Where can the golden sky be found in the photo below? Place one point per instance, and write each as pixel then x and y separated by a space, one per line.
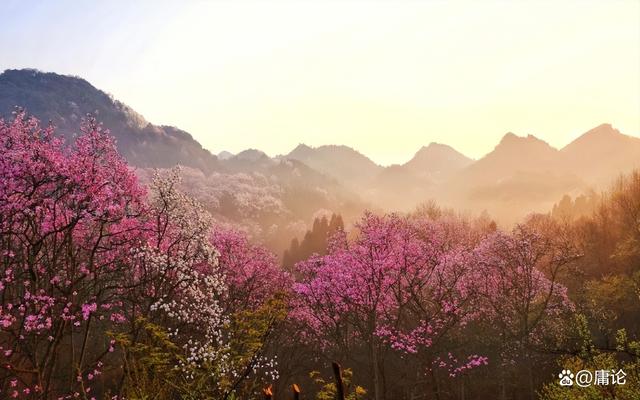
pixel 385 77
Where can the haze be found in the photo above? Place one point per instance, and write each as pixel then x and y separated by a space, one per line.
pixel 383 77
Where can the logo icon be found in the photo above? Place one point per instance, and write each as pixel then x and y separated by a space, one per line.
pixel 566 377
pixel 584 378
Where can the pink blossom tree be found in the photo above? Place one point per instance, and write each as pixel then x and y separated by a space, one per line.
pixel 251 272
pixel 217 296
pixel 523 301
pixel 103 286
pixel 68 216
pixel 400 285
pixel 256 300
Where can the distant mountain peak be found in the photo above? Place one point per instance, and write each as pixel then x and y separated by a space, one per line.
pixel 437 158
pixel 510 140
pixel 251 155
pixel 602 153
pixel 437 147
pixel 341 162
pixel 513 154
pixel 304 151
pixel 604 125
pixel 603 136
pixel 303 147
pixel 602 129
pixel 509 137
pixel 301 151
pixel 225 155
pixel 337 148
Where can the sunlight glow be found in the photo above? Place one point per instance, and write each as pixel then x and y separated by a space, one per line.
pixel 383 77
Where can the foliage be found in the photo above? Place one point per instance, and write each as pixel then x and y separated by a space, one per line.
pixel 149 363
pixel 315 241
pixel 625 357
pixel 407 284
pixel 328 387
pixel 68 217
pixel 106 291
pixel 109 289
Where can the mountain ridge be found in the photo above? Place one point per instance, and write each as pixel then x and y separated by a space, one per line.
pixel 520 172
pixel 342 162
pixel 65 100
pixel 437 158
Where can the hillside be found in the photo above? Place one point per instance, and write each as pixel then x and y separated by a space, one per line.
pixel 273 200
pixel 522 174
pixel 341 162
pixel 65 100
pixel 438 161
pixel 601 154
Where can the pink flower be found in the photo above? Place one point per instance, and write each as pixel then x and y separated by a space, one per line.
pixel 87 309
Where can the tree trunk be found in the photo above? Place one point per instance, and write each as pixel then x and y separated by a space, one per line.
pixel 434 384
pixel 337 373
pixel 532 394
pixel 503 384
pixel 377 381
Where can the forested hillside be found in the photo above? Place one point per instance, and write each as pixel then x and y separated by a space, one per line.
pixel 522 174
pixel 114 288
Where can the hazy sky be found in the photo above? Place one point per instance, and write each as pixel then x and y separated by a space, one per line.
pixel 383 77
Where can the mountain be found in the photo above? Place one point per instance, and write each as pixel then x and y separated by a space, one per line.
pixel 513 154
pixel 399 188
pixel 251 155
pixel 402 187
pixel 437 161
pixel 341 162
pixel 301 152
pixel 250 160
pixel 522 174
pixel 270 199
pixel 65 100
pixel 595 158
pixel 225 155
pixel 601 154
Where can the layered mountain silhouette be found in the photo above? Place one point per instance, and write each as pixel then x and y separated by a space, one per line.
pixel 65 100
pixel 437 161
pixel 512 154
pixel 342 162
pixel 601 153
pixel 248 161
pixel 522 174
pixel 224 155
pixel 400 186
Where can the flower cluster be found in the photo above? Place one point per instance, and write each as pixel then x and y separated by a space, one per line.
pixel 87 257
